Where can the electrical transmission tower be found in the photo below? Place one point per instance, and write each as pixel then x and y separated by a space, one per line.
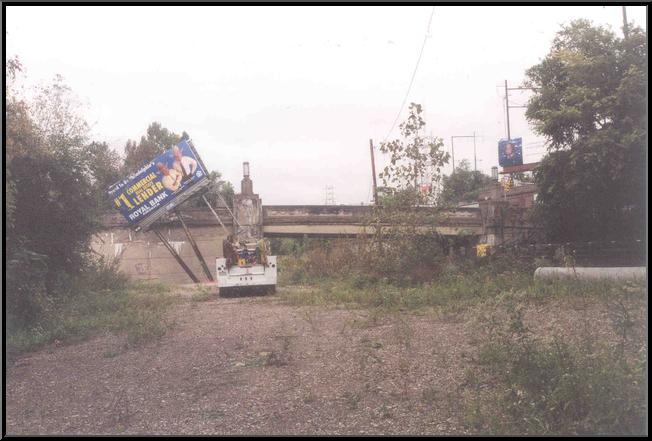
pixel 329 195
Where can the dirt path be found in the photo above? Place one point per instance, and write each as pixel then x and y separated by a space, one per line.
pixel 245 366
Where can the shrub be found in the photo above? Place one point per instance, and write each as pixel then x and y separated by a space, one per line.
pixel 560 387
pixel 25 274
pixel 98 299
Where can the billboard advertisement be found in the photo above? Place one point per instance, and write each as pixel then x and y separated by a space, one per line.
pixel 160 185
pixel 510 152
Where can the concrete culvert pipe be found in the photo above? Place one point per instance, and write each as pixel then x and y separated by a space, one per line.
pixel 620 273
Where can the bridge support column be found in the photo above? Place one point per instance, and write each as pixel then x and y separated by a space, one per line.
pixel 248 210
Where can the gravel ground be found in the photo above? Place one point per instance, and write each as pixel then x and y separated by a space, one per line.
pixel 256 366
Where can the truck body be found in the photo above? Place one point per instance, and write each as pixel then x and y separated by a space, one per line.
pixel 250 278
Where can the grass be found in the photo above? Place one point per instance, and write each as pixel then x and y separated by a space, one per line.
pixel 565 383
pixel 518 382
pixel 138 310
pixel 453 291
pixel 556 387
pixel 203 294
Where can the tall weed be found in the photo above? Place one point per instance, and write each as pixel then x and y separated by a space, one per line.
pixel 98 300
pixel 559 386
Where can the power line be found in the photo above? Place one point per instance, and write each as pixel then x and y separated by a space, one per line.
pixel 425 38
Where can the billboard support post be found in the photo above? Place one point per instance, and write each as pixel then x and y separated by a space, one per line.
pixel 235 221
pixel 176 255
pixel 194 246
pixel 215 214
pixel 160 187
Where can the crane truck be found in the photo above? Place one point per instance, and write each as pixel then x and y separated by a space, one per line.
pixel 246 266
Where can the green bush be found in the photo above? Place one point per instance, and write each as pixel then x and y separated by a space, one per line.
pixel 97 300
pixel 560 387
pixel 464 283
pixel 404 262
pixel 25 289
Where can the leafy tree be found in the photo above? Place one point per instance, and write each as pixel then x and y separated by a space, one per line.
pixel 105 166
pixel 390 196
pixel 406 245
pixel 462 186
pixel 591 105
pixel 216 188
pixel 54 209
pixel 157 140
pixel 57 115
pixel 19 133
pixel 414 156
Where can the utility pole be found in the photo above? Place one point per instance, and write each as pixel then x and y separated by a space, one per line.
pixel 507 106
pixel 507 109
pixel 475 161
pixel 625 27
pixel 453 152
pixel 373 170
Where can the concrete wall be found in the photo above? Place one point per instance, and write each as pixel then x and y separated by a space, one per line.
pixel 505 217
pixel 142 256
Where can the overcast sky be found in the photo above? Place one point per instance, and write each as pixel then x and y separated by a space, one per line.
pixel 296 91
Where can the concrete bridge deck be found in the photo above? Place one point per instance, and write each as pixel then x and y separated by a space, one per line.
pixel 317 220
pixel 352 220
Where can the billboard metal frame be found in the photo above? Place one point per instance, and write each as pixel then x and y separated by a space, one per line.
pixel 173 206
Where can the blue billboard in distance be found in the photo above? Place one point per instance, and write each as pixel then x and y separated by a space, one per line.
pixel 160 185
pixel 510 152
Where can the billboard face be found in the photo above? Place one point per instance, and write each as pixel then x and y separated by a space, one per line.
pixel 510 152
pixel 159 186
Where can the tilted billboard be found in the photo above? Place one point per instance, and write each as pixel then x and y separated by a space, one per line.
pixel 160 185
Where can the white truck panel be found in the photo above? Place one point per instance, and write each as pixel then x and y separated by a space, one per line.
pixel 246 276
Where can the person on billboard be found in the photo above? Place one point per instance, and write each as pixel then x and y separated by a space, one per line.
pixel 171 178
pixel 509 151
pixel 185 165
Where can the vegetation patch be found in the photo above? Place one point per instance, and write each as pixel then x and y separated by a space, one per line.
pixel 203 294
pixel 527 384
pixel 88 309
